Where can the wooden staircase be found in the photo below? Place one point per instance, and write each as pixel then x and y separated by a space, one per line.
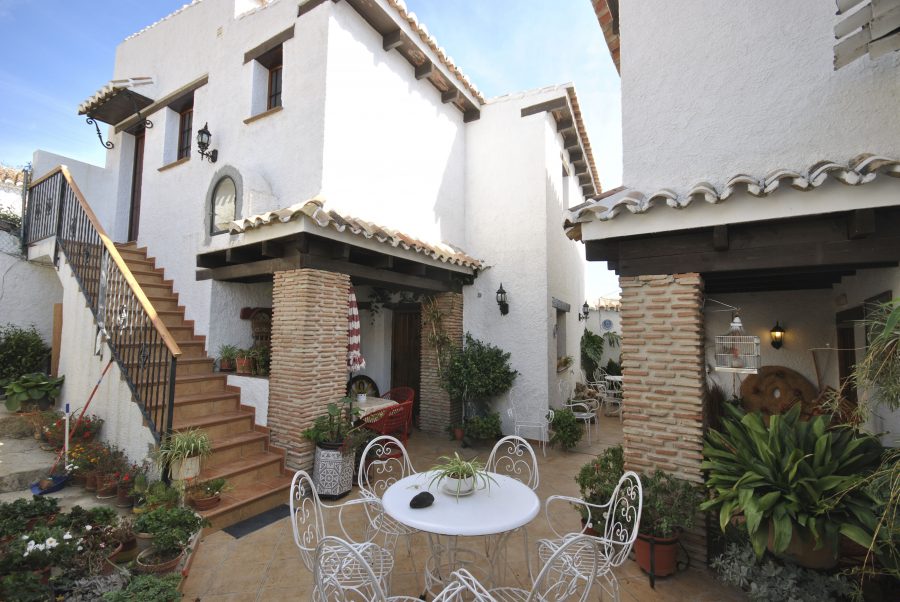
pixel 203 399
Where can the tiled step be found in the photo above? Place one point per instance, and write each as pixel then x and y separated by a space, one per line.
pixel 244 471
pixel 152 289
pixel 188 384
pixel 136 262
pixel 174 318
pixel 194 366
pixel 245 502
pixel 236 447
pixel 205 404
pixel 165 302
pixel 218 426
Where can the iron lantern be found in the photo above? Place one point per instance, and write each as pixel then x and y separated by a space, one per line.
pixel 777 334
pixel 203 139
pixel 585 312
pixel 501 300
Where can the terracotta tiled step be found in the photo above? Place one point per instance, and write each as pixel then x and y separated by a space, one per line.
pixel 136 262
pixel 164 302
pixel 188 384
pixel 205 404
pixel 152 289
pixel 246 470
pixel 235 447
pixel 189 349
pixel 174 317
pixel 188 366
pixel 145 278
pixel 245 502
pixel 217 426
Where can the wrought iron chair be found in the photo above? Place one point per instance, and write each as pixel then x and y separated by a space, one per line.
pixel 308 526
pixel 384 462
pixel 462 586
pixel 585 410
pixel 526 419
pixel 343 574
pixel 394 420
pixel 619 518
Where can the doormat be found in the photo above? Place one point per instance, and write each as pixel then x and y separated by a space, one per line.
pixel 254 523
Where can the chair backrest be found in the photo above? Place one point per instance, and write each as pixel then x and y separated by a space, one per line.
pixel 384 462
pixel 392 420
pixel 343 575
pixel 569 573
pixel 463 587
pixel 400 394
pixel 513 456
pixel 623 516
pixel 307 521
pixel 565 390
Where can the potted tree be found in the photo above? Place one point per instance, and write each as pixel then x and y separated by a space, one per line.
pixel 32 389
pixel 182 451
pixel 336 440
pixel 460 477
pixel 227 355
pixel 670 505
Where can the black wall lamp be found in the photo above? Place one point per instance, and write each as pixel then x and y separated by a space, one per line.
pixel 585 312
pixel 203 139
pixel 501 300
pixel 777 333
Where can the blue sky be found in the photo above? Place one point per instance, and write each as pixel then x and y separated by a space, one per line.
pixel 59 52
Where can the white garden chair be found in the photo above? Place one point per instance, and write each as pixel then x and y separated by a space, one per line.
pixel 343 574
pixel 384 462
pixel 619 519
pixel 528 419
pixel 463 587
pixel 308 526
pixel 585 410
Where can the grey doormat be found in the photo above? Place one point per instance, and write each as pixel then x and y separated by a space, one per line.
pixel 254 523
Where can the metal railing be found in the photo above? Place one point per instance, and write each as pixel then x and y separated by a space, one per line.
pixel 141 344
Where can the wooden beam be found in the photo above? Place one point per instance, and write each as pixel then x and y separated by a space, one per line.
pixel 471 115
pixel 376 275
pixel 393 39
pixel 547 105
pixel 565 124
pixel 580 167
pixel 246 270
pixel 244 254
pixel 163 102
pixel 571 143
pixel 450 95
pixel 424 70
pixel 576 155
pixel 270 248
pixel 308 6
pixel 585 180
pixel 273 42
pixel 720 238
pixel 860 223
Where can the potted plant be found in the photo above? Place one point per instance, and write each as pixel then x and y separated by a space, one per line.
pixel 110 462
pixel 475 373
pixel 172 529
pixel 125 483
pixel 227 355
pixel 244 362
pixel 456 431
pixel 81 432
pixel 670 506
pixel 35 389
pixel 260 355
pixel 564 363
pixel 567 430
pixel 792 481
pixel 207 495
pixel 597 481
pixel 182 452
pixel 483 428
pixel 336 440
pixel 123 532
pixel 460 477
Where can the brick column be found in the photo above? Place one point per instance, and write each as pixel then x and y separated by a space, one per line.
pixel 663 367
pixel 309 356
pixel 436 411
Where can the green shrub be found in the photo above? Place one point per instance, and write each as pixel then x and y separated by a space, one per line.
pixel 478 371
pixel 22 351
pixel 669 504
pixel 148 588
pixel 8 215
pixel 591 352
pixel 24 587
pixel 598 478
pixel 567 430
pixel 486 427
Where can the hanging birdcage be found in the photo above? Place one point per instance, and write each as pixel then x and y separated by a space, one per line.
pixel 736 351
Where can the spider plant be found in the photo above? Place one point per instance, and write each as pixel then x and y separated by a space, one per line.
pixel 461 470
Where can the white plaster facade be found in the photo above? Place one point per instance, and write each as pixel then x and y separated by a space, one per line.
pixel 358 128
pixel 28 290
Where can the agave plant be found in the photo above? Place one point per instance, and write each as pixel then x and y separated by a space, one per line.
pixel 791 475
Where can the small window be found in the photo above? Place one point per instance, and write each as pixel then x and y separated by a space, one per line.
pixel 560 333
pixel 185 131
pixel 272 62
pixel 223 205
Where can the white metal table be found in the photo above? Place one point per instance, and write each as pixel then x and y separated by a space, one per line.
pixel 489 511
pixel 372 405
pixel 616 392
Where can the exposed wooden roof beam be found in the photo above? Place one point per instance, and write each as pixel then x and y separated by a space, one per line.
pixel 450 95
pixel 424 70
pixel 392 40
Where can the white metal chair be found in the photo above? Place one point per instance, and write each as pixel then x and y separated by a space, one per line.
pixel 585 410
pixel 343 574
pixel 384 462
pixel 513 456
pixel 308 526
pixel 463 587
pixel 620 518
pixel 527 419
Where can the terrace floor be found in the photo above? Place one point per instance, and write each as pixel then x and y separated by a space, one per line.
pixel 265 565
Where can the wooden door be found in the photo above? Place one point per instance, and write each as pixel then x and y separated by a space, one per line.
pixel 405 359
pixel 136 181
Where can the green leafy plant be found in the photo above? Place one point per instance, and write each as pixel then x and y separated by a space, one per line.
pixel 670 504
pixel 171 528
pixel 210 488
pixel 483 428
pixel 148 588
pixel 22 351
pixel 786 474
pixel 24 587
pixel 567 430
pixel 84 431
pixel 78 518
pixel 260 355
pixel 613 368
pixel 228 352
pixel 880 367
pixel 160 494
pixel 336 427
pixel 564 363
pixel 34 387
pixel 437 337
pixel 456 468
pixel 478 371
pixel 9 215
pixel 598 478
pixel 184 444
pixel 591 351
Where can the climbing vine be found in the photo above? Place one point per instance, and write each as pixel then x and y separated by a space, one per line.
pixel 437 337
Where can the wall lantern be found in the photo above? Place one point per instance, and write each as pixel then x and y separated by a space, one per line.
pixel 585 312
pixel 777 335
pixel 203 138
pixel 501 300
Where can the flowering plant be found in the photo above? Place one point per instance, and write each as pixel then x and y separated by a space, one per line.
pixel 42 547
pixel 125 477
pixel 83 432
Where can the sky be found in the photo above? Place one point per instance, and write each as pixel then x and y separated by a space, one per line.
pixel 60 52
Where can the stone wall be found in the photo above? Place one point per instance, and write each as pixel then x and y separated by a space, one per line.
pixel 663 380
pixel 309 356
pixel 436 411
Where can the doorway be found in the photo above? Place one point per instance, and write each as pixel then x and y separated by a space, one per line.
pixel 136 182
pixel 405 357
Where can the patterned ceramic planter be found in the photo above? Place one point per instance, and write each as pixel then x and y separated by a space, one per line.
pixel 333 473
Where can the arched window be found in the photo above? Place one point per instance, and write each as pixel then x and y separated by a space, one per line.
pixel 223 206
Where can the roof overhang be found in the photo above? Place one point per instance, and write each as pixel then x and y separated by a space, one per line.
pixel 116 101
pixel 607 12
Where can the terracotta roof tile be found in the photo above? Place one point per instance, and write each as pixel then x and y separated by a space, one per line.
pixel 109 90
pixel 12 176
pixel 314 209
pixel 610 29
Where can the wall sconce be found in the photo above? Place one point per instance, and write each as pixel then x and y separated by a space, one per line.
pixel 501 300
pixel 203 138
pixel 585 312
pixel 777 335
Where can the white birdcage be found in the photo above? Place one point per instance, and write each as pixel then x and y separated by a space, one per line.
pixel 736 351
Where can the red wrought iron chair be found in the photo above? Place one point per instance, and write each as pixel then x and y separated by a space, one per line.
pixel 402 395
pixel 391 421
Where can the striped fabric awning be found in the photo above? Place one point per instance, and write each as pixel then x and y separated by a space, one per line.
pixel 355 360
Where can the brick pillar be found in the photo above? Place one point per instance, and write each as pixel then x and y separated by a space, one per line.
pixel 309 356
pixel 436 411
pixel 663 366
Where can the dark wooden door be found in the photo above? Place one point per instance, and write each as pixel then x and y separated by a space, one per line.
pixel 136 181
pixel 405 350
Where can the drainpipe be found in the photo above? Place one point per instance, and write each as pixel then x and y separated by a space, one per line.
pixel 26 181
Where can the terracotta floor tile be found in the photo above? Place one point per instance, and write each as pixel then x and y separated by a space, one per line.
pixel 241 579
pixel 285 572
pixel 298 593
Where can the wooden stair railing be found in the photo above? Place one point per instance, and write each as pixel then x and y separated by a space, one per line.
pixel 143 347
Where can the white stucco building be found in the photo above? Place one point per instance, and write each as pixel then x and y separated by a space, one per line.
pixel 349 150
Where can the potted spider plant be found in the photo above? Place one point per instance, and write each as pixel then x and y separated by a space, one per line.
pixel 460 477
pixel 182 452
pixel 227 355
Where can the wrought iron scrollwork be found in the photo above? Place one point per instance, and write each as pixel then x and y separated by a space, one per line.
pixel 147 122
pixel 108 145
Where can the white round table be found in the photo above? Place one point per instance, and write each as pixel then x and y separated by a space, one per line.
pixel 504 506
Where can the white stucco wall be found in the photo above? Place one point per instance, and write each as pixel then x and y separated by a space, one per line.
pixel 123 421
pixel 11 197
pixel 375 333
pixel 595 324
pixel 227 299
pixel 711 89
pixel 28 290
pixel 254 393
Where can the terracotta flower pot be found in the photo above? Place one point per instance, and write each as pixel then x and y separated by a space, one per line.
pixel 226 365
pixel 144 541
pixel 145 565
pixel 128 552
pixel 124 499
pixel 205 503
pixel 106 487
pixel 802 551
pixel 244 365
pixel 664 554
pixel 110 566
pixel 90 481
pixel 458 434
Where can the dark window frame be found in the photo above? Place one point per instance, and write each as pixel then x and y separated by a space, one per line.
pixel 185 131
pixel 273 97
